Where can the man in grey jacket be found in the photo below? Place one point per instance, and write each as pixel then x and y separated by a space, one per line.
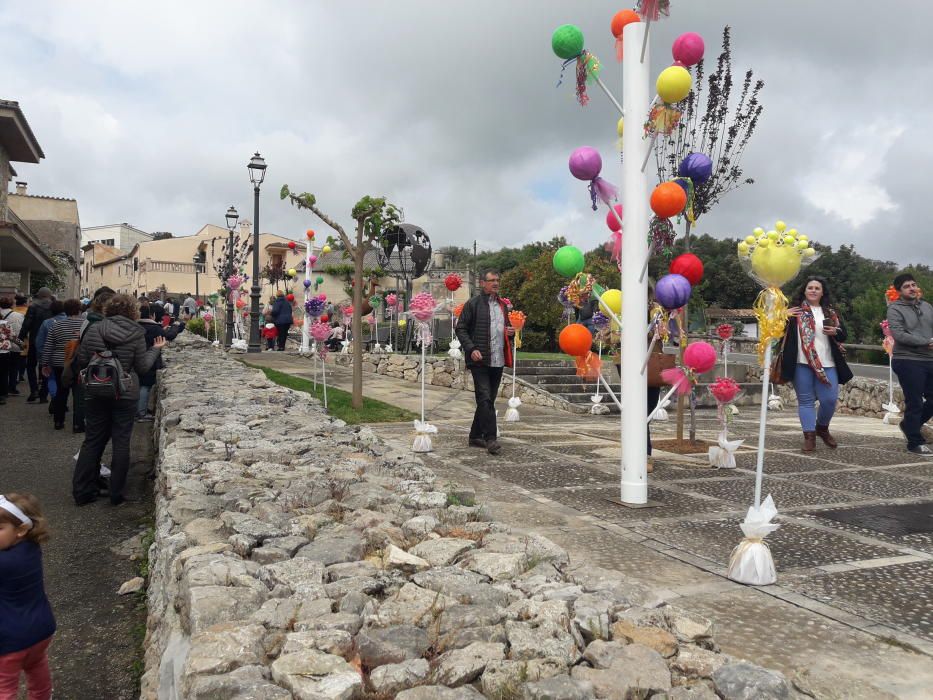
pixel 911 322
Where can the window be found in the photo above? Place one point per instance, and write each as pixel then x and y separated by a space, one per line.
pixel 135 264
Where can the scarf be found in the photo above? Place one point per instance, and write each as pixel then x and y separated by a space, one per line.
pixel 806 335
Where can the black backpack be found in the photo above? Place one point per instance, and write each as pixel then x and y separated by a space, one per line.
pixel 104 377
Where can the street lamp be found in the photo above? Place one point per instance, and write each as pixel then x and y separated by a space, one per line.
pixel 197 290
pixel 232 218
pixel 257 173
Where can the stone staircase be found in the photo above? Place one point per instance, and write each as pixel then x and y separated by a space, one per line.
pixel 559 377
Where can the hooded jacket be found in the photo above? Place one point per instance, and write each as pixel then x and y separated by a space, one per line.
pixel 911 324
pixel 38 311
pixel 282 312
pixel 153 330
pixel 127 340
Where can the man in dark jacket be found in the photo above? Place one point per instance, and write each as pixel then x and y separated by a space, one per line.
pixel 153 330
pixel 282 318
pixel 484 332
pixel 39 310
pixel 911 322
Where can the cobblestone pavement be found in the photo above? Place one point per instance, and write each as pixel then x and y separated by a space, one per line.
pixel 853 593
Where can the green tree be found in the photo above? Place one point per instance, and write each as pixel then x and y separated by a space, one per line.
pixel 372 215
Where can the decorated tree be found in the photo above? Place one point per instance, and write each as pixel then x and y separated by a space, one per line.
pixel 372 215
pixel 228 261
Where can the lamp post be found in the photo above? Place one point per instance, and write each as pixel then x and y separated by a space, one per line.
pixel 197 291
pixel 257 173
pixel 232 218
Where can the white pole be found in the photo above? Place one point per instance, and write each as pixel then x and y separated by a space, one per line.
pixel 890 382
pixel 599 81
pixel 423 343
pixel 324 379
pixel 636 98
pixel 725 357
pixel 763 422
pixel 305 333
pixel 609 391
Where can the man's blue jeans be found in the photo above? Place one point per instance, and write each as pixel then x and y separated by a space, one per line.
pixel 809 390
pixel 916 380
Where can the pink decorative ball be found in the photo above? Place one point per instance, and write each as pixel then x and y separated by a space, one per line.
pixel 700 357
pixel 688 48
pixel 612 222
pixel 585 163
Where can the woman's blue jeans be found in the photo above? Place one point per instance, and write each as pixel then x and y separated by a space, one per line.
pixel 809 390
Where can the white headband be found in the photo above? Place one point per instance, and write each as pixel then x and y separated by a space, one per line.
pixel 13 510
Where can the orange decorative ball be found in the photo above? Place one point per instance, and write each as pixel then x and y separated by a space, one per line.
pixel 621 19
pixel 575 340
pixel 668 199
pixel 310 234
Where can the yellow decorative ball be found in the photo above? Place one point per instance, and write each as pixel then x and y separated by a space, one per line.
pixel 803 245
pixel 802 237
pixel 402 322
pixel 620 127
pixel 743 248
pixel 772 235
pixel 792 232
pixel 292 272
pixel 789 240
pixel 809 252
pixel 674 84
pixel 759 231
pixel 325 249
pixel 611 299
pixel 776 265
pixel 750 240
pixel 763 243
pixel 779 226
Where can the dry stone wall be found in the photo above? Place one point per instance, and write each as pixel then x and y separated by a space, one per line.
pixel 296 557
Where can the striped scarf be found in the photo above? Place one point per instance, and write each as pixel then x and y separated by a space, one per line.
pixel 806 333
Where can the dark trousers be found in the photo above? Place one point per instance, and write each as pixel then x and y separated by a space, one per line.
pixel 37 384
pixel 105 419
pixel 282 328
pixel 60 402
pixel 7 359
pixel 916 380
pixel 654 395
pixel 9 375
pixel 486 387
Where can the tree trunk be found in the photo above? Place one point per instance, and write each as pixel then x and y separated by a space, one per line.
pixel 359 253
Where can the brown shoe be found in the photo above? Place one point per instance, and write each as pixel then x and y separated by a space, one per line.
pixel 823 432
pixel 809 440
pixel 650 465
pixel 478 442
pixel 493 447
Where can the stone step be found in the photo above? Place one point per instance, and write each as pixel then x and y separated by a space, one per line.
pixel 523 371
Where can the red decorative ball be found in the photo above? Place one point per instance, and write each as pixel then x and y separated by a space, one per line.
pixel 575 340
pixel 325 318
pixel 611 221
pixel 289 297
pixel 453 282
pixel 291 245
pixel 688 265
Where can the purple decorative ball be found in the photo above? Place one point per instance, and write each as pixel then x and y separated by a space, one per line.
pixel 697 166
pixel 585 163
pixel 673 291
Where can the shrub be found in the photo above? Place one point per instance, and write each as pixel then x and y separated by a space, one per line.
pixel 536 341
pixel 197 326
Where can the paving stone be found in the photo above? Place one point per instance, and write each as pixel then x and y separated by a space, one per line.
pixel 558 688
pixel 391 679
pixel 330 641
pixel 596 502
pixel 314 675
pixel 900 594
pixel 335 549
pixel 785 493
pixel 391 645
pixel 874 484
pixel 442 551
pixel 792 545
pixel 788 463
pixel 461 666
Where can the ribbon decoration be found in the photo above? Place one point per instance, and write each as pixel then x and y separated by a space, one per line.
pixel 588 366
pixel 722 456
pixel 579 289
pixel 691 198
pixel 660 412
pixel 601 190
pixel 771 311
pixel 751 561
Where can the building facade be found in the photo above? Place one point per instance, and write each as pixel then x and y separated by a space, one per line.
pixel 122 236
pixel 22 254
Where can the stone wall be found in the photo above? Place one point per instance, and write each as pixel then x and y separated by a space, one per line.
pixel 444 371
pixel 860 396
pixel 298 558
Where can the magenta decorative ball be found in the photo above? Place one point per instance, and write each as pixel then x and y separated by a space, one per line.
pixel 673 291
pixel 585 163
pixel 688 48
pixel 700 357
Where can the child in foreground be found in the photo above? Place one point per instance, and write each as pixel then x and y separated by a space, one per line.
pixel 26 620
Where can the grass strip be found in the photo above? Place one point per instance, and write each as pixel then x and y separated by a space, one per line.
pixel 339 402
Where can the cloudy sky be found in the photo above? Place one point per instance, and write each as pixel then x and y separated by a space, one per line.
pixel 149 113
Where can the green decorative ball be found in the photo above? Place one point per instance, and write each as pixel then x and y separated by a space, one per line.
pixel 568 261
pixel 567 41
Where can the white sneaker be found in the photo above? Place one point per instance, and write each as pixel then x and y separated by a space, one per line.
pixel 922 450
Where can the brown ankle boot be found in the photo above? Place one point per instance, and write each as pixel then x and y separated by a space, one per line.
pixel 823 432
pixel 809 440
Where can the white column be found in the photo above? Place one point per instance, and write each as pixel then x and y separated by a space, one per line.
pixel 305 337
pixel 636 98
